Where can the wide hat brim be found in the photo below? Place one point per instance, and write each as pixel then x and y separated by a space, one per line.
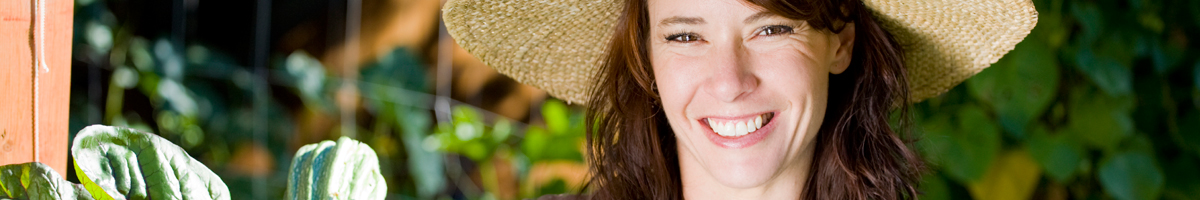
pixel 558 45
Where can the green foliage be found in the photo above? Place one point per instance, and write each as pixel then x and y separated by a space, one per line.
pixel 1019 103
pixel 347 169
pixel 122 163
pixel 969 143
pixel 36 181
pixel 559 140
pixel 1100 101
pixel 1129 176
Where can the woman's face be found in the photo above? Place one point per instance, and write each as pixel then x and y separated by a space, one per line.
pixel 744 89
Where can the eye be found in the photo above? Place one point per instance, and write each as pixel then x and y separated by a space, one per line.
pixel 774 30
pixel 683 37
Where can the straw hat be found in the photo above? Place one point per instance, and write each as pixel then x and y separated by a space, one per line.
pixel 557 45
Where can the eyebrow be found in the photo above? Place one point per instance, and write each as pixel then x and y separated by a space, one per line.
pixel 697 21
pixel 681 20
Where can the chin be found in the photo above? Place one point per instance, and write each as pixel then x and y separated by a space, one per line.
pixel 745 173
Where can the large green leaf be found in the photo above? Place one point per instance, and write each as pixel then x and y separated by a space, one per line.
pixel 122 163
pixel 1131 176
pixel 347 169
pixel 963 146
pixel 1098 120
pixel 1058 156
pixel 1020 86
pixel 36 181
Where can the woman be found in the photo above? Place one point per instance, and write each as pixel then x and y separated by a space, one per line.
pixel 743 99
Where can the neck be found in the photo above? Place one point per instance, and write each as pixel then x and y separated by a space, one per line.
pixel 787 184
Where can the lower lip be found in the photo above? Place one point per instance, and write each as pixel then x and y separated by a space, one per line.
pixel 741 141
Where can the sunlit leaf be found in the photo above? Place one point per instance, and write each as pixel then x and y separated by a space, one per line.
pixel 36 181
pixel 535 142
pixel 122 163
pixel 1013 176
pixel 346 169
pixel 555 114
pixel 309 79
pixel 1131 176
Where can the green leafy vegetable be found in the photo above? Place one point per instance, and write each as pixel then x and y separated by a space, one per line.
pixel 347 169
pixel 36 181
pixel 122 163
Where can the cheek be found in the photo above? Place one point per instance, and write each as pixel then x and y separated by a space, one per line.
pixel 791 69
pixel 677 80
pixel 675 76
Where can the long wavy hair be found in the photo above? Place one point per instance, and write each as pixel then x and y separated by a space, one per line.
pixel 859 155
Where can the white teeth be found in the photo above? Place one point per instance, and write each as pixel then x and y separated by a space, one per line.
pixel 750 127
pixel 728 128
pixel 739 128
pixel 732 129
pixel 758 122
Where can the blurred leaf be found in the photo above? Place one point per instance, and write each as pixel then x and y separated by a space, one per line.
pixel 120 163
pixel 99 36
pixel 125 77
pixel 1165 56
pixel 554 112
pixel 424 164
pixel 936 138
pixel 557 186
pixel 1058 156
pixel 309 79
pixel 399 68
pixel 1090 18
pixel 36 181
pixel 1112 76
pixel 468 124
pixel 178 97
pixel 966 150
pixel 347 169
pixel 1014 176
pixel 933 187
pixel 1098 120
pixel 535 142
pixel 1020 86
pixel 1131 176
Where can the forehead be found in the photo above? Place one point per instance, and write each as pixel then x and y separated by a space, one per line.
pixel 708 10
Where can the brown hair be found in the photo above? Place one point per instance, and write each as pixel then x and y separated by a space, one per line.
pixel 631 148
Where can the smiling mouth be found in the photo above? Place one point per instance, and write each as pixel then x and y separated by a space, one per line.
pixel 739 127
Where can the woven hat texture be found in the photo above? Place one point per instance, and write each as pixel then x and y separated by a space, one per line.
pixel 558 45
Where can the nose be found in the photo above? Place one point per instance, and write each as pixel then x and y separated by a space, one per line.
pixel 730 77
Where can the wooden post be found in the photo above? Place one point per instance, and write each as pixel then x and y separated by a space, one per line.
pixel 34 98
